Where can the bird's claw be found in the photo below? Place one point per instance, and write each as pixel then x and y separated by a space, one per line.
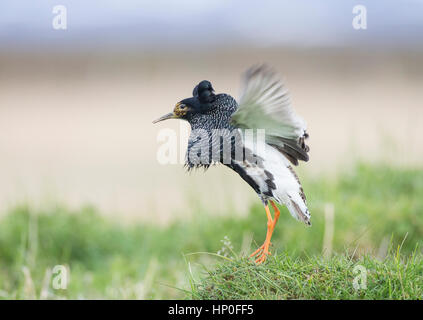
pixel 261 253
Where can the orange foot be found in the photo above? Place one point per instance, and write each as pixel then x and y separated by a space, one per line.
pixel 263 252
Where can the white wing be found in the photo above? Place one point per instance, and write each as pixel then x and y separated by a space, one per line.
pixel 265 104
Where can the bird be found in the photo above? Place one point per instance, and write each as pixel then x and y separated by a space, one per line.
pixel 219 125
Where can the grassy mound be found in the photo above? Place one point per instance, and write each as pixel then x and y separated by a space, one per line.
pixel 340 277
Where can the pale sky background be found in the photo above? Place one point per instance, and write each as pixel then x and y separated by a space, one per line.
pixel 76 106
pixel 191 24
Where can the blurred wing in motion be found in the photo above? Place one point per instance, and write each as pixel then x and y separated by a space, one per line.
pixel 265 104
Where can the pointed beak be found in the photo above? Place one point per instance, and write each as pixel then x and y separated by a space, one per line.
pixel 170 115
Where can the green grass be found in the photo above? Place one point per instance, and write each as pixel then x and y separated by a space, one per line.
pixel 376 207
pixel 340 277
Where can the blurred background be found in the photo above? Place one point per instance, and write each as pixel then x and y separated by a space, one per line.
pixel 76 105
pixel 77 141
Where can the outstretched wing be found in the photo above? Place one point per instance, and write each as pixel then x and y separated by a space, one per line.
pixel 265 104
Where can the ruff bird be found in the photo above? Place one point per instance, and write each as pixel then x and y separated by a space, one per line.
pixel 219 126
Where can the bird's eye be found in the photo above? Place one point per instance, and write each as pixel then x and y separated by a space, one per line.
pixel 182 106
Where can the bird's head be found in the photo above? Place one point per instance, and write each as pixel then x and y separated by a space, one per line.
pixel 201 102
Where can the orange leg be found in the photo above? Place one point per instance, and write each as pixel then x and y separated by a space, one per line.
pixel 277 212
pixel 262 252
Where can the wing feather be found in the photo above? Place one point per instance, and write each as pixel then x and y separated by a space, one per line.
pixel 265 104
